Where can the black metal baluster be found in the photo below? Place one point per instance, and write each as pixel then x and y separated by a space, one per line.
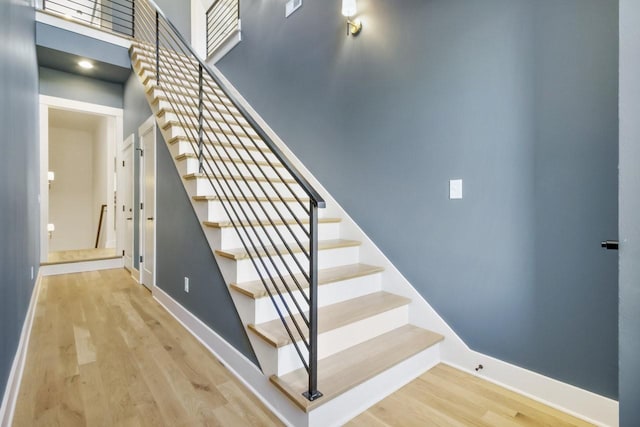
pixel 313 393
pixel 200 119
pixel 157 49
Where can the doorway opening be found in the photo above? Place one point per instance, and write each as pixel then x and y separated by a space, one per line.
pixel 78 150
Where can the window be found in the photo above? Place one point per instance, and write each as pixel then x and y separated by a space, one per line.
pixel 223 20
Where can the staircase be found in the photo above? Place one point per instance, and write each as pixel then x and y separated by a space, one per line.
pixel 364 339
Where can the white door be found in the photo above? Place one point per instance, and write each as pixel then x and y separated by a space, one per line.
pixel 148 199
pixel 125 208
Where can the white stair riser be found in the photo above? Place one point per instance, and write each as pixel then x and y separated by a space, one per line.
pixel 339 339
pixel 172 72
pixel 330 293
pixel 224 109
pixel 176 130
pixel 245 272
pixel 185 93
pixel 214 211
pixel 203 187
pixel 165 57
pixel 216 113
pixel 230 238
pixel 190 118
pixel 185 147
pixel 338 411
pixel 192 165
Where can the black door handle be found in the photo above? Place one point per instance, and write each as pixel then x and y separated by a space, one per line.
pixel 611 245
pixel 150 219
pixel 129 219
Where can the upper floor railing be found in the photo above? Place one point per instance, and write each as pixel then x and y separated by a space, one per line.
pixel 112 15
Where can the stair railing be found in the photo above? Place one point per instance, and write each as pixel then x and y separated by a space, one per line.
pixel 111 15
pixel 255 183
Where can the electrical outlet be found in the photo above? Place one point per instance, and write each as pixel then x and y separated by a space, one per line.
pixel 186 284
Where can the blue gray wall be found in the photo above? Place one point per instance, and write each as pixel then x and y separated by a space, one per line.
pixel 179 13
pixel 19 171
pixel 183 251
pixel 79 88
pixel 629 213
pixel 518 98
pixel 575 197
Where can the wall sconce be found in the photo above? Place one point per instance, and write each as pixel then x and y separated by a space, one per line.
pixel 349 9
pixel 51 228
pixel 51 177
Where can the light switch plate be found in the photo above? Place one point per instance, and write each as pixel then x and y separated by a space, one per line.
pixel 186 284
pixel 455 189
pixel 291 6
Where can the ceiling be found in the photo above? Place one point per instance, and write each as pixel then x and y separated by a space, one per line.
pixel 64 61
pixel 73 120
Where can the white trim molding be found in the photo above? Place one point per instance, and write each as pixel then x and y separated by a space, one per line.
pixel 225 47
pixel 580 403
pixel 12 389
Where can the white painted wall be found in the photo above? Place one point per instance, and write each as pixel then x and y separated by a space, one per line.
pixel 71 194
pixel 199 26
pixel 100 190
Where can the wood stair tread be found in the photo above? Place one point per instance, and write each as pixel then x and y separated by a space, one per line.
pixel 192 176
pixel 229 159
pixel 331 317
pixel 224 102
pixel 207 126
pixel 178 138
pixel 267 223
pixel 235 116
pixel 347 369
pixel 252 199
pixel 255 289
pixel 240 253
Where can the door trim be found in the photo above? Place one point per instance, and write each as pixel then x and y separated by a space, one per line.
pixel 129 141
pixel 149 124
pixel 46 102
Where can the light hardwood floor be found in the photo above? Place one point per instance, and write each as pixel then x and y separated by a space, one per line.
pixel 104 353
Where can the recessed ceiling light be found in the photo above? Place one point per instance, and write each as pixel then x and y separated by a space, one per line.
pixel 85 64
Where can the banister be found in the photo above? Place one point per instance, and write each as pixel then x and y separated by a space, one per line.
pixel 224 126
pixel 315 197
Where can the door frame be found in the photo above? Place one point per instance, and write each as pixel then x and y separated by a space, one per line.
pixel 123 245
pixel 115 116
pixel 149 124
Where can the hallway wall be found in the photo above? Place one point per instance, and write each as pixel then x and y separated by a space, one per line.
pixel 19 170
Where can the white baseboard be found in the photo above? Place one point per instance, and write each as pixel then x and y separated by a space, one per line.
pixel 237 363
pixel 81 267
pixel 580 403
pixel 135 274
pixel 17 368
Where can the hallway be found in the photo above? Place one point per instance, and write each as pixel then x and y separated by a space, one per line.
pixel 104 353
